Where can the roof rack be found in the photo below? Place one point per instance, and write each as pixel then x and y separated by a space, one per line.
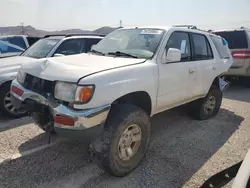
pixel 87 34
pixel 54 35
pixel 188 26
pixel 76 34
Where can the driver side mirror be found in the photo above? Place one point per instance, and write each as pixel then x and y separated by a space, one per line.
pixel 173 55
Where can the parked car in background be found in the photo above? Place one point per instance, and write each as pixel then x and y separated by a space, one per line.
pixel 49 46
pixel 11 45
pixel 239 44
pixel 109 95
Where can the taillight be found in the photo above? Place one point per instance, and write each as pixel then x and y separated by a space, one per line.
pixel 241 54
pixel 17 90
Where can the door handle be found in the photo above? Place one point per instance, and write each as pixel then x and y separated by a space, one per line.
pixel 214 68
pixel 191 71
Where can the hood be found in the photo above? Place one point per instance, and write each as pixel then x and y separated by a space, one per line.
pixel 10 54
pixel 72 68
pixel 12 64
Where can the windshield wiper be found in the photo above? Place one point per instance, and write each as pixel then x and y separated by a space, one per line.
pixel 97 52
pixel 119 53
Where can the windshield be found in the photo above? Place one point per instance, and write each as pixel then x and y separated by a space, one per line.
pixel 41 48
pixel 141 43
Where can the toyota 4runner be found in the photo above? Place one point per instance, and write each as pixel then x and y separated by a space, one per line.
pixel 109 94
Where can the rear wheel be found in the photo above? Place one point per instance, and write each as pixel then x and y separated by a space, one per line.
pixel 124 141
pixel 208 106
pixel 6 106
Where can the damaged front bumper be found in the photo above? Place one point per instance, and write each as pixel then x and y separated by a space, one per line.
pixel 67 121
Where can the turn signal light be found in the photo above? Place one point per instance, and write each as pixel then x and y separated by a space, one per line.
pixel 85 94
pixel 64 120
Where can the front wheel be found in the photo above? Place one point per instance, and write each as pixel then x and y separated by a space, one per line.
pixel 44 121
pixel 124 141
pixel 6 106
pixel 208 106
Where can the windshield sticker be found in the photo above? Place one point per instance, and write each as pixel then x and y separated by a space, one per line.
pixel 183 46
pixel 51 43
pixel 151 32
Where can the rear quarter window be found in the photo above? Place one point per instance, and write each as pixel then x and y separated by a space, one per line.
pixel 220 47
pixel 235 39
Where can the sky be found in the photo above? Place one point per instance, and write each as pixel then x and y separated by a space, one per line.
pixel 92 14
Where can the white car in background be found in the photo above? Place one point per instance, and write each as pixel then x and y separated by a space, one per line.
pixel 49 46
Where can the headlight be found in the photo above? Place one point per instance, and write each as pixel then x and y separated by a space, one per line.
pixel 73 93
pixel 21 77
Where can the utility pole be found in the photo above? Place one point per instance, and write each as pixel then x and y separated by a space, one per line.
pixel 120 24
pixel 22 28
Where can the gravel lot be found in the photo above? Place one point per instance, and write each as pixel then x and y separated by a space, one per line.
pixel 183 152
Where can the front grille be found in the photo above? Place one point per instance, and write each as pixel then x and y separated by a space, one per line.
pixel 38 85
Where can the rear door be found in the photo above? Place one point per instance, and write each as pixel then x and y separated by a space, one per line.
pixel 239 46
pixel 205 63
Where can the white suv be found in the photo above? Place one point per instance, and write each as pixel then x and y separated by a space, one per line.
pixel 110 94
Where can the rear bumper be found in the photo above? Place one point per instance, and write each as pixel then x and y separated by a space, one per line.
pixel 241 71
pixel 83 120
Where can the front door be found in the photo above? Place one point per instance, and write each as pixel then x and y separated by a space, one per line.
pixel 176 80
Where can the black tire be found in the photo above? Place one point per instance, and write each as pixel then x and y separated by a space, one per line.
pixel 198 110
pixel 4 91
pixel 44 121
pixel 105 150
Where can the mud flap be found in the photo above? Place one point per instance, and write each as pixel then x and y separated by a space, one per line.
pixel 223 84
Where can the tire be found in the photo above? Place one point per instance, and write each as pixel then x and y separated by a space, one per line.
pixel 44 121
pixel 199 109
pixel 106 150
pixel 6 107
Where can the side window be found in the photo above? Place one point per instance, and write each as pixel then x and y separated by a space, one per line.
pixel 16 41
pixel 70 47
pixel 220 47
pixel 202 47
pixel 89 43
pixel 180 40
